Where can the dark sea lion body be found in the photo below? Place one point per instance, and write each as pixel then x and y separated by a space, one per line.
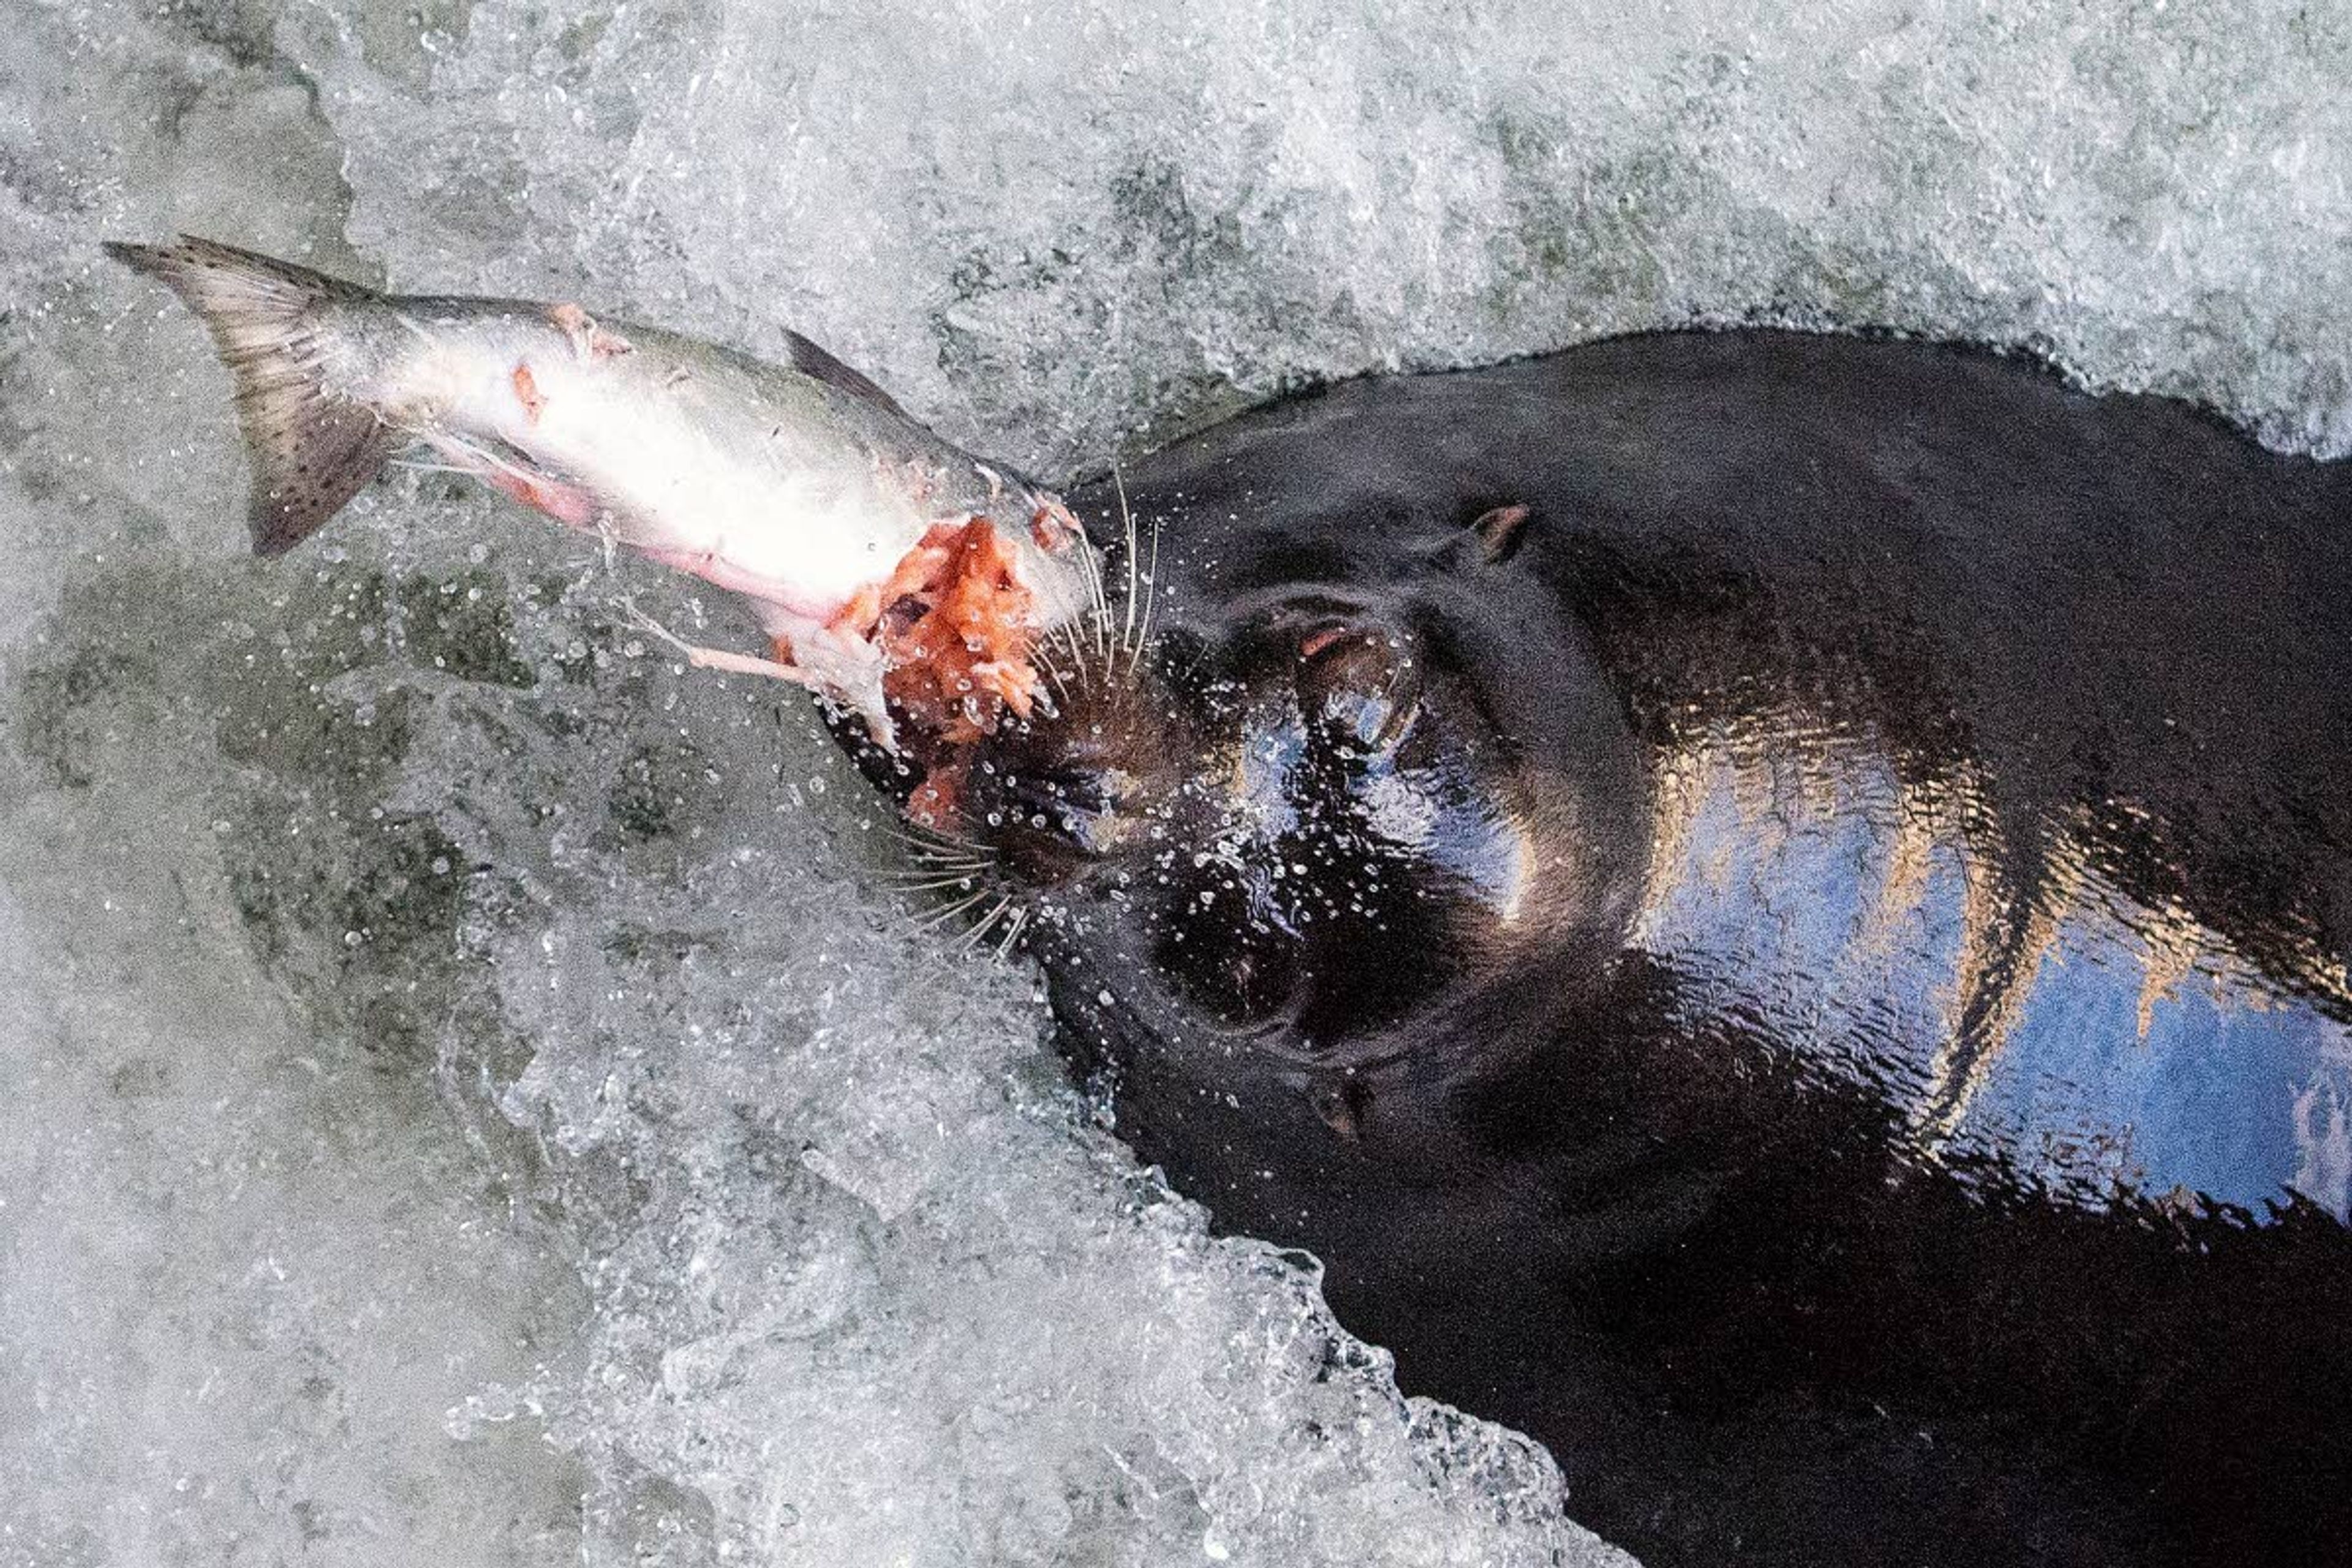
pixel 1775 909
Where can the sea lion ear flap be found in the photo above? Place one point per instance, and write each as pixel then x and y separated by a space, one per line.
pixel 1500 530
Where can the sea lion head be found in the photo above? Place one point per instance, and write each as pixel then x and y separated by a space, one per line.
pixel 1313 808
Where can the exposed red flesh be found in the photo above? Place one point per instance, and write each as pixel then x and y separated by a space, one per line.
pixel 1053 528
pixel 589 342
pixel 938 801
pixel 1316 642
pixel 527 393
pixel 954 626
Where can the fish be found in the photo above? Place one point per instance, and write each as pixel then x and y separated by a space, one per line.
pixel 903 580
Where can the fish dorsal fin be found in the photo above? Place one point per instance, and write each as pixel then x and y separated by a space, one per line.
pixel 813 361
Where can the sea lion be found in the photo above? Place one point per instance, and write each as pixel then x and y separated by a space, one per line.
pixel 1774 908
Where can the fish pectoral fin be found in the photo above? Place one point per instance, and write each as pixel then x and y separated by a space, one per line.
pixel 839 665
pixel 844 670
pixel 702 657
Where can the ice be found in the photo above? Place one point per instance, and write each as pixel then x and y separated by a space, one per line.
pixel 471 1099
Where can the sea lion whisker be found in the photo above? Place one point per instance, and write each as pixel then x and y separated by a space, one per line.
pixel 920 881
pixel 946 875
pixel 1111 639
pixel 1126 523
pixel 1100 613
pixel 926 890
pixel 1150 593
pixel 1012 933
pixel 1066 638
pixel 1050 665
pixel 942 848
pixel 971 939
pixel 934 863
pixel 942 917
pixel 1075 667
pixel 915 833
pixel 942 879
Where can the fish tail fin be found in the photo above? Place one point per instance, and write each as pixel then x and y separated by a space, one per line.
pixel 311 449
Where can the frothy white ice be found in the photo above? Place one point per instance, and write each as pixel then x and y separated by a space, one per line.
pixel 468 1102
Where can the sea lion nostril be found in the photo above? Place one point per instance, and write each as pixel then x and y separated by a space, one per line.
pixel 1076 808
pixel 1077 793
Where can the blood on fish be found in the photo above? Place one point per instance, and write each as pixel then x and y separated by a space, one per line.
pixel 589 340
pixel 526 392
pixel 567 504
pixel 952 622
pixel 1053 528
pixel 938 801
pixel 860 615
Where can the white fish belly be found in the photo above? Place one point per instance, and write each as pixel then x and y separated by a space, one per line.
pixel 701 488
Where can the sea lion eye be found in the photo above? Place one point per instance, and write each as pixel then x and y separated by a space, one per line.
pixel 1359 688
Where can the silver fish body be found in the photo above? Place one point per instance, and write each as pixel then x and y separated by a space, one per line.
pixel 801 487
